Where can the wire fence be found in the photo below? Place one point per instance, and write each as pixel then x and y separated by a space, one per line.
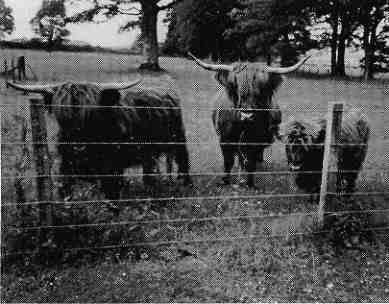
pixel 384 109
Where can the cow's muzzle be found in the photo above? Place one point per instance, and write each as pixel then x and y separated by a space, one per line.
pixel 294 168
pixel 246 115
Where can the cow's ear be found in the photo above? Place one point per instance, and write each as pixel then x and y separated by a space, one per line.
pixel 110 97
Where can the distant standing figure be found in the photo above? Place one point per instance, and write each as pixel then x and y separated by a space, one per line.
pixel 21 67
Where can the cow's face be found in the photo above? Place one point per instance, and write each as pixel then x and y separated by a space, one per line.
pixel 296 149
pixel 250 85
pixel 297 145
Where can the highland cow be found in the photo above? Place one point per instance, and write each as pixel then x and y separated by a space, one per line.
pixel 161 128
pixel 304 146
pixel 101 134
pixel 246 117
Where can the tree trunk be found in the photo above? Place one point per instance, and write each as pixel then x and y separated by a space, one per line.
pixel 149 35
pixel 340 65
pixel 369 41
pixel 334 38
pixel 367 49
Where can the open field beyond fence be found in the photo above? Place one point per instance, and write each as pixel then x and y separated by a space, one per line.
pixel 244 244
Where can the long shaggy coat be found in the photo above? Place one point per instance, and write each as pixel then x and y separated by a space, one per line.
pixel 307 154
pixel 104 132
pixel 248 90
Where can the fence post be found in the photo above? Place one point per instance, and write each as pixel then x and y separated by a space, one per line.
pixel 333 130
pixel 42 161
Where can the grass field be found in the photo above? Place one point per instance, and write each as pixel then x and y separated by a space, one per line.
pixel 267 268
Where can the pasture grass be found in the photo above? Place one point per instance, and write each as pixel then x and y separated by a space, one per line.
pixel 274 265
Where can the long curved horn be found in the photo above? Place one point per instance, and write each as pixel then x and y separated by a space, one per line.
pixel 286 70
pixel 118 85
pixel 34 88
pixel 212 67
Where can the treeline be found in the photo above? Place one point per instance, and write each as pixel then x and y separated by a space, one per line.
pixel 269 29
pixel 38 44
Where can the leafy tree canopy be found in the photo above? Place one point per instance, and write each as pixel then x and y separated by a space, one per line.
pixel 49 22
pixel 7 24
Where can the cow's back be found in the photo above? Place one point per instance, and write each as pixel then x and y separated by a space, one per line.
pixel 355 127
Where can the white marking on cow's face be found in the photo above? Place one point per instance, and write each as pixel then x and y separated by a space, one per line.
pixel 246 116
pixel 294 168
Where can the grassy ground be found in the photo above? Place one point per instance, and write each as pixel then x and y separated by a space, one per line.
pixel 268 268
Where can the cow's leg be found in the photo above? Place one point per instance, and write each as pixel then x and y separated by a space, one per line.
pixel 347 163
pixel 260 155
pixel 111 187
pixel 350 180
pixel 66 169
pixel 251 167
pixel 182 160
pixel 149 164
pixel 229 157
pixel 169 166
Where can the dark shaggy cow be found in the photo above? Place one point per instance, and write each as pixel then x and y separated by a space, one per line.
pixel 162 128
pixel 246 117
pixel 109 130
pixel 304 150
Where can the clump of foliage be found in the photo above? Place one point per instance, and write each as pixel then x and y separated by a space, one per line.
pixel 49 22
pixel 7 23
pixel 349 229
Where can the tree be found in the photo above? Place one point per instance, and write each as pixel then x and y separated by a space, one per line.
pixel 273 27
pixel 374 19
pixel 199 26
pixel 146 14
pixel 49 22
pixel 171 45
pixel 6 19
pixel 342 17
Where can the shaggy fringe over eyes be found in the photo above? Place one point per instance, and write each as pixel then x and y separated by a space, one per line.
pixel 310 129
pixel 254 85
pixel 78 95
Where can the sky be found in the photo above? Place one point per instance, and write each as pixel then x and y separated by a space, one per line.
pixel 103 34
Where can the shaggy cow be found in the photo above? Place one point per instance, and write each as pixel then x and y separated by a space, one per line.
pixel 246 117
pixel 304 145
pixel 162 128
pixel 108 129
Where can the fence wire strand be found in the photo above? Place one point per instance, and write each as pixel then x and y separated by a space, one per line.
pixel 162 174
pixel 195 241
pixel 18 143
pixel 199 198
pixel 192 220
pixel 200 109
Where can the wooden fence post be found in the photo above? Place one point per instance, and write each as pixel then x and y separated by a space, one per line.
pixel 333 130
pixel 44 183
